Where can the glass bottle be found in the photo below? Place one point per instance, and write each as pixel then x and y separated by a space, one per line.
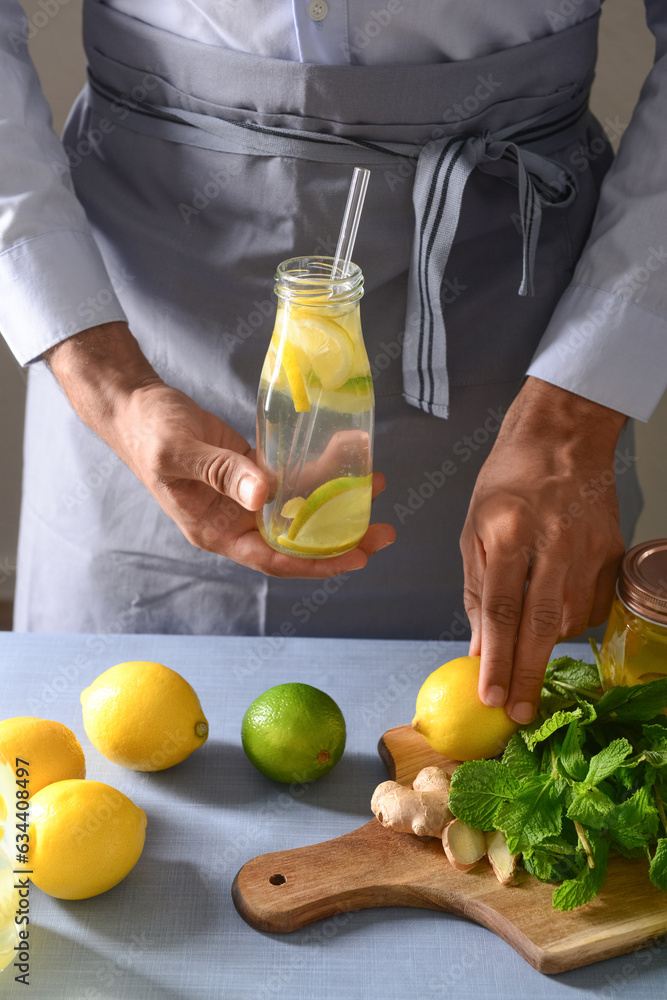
pixel 315 412
pixel 634 648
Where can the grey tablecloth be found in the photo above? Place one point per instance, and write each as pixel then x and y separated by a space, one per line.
pixel 169 930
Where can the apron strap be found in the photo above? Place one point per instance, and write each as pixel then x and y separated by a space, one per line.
pixel 443 168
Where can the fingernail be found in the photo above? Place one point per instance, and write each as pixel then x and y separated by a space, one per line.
pixel 522 712
pixel 495 696
pixel 246 489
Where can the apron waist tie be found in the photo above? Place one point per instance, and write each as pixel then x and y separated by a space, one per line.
pixel 443 167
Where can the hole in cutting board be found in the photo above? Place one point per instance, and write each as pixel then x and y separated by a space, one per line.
pixel 277 879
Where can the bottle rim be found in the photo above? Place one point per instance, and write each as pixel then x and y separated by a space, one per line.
pixel 642 582
pixel 305 278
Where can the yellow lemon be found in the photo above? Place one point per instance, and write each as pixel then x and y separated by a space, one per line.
pixel 451 717
pixel 85 837
pixel 143 715
pixel 51 750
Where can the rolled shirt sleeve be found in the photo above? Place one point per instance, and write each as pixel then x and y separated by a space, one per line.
pixel 53 281
pixel 607 338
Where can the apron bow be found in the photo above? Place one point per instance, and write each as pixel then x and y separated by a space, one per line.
pixel 443 168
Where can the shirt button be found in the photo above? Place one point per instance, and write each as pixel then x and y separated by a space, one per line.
pixel 317 10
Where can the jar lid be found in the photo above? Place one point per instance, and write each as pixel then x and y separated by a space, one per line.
pixel 642 584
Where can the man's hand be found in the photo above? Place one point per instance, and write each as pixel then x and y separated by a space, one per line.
pixel 201 472
pixel 541 543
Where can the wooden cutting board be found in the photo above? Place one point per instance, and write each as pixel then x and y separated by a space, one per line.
pixel 372 866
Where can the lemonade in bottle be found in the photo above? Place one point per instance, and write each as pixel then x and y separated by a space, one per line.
pixel 315 412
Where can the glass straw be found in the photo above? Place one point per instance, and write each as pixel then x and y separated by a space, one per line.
pixel 350 224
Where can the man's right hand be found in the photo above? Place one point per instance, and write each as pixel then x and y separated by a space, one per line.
pixel 200 471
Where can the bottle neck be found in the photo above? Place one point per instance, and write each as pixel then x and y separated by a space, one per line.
pixel 310 281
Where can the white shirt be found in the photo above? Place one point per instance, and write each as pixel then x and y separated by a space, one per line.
pixel 607 340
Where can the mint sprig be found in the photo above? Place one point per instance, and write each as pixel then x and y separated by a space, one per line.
pixel 587 777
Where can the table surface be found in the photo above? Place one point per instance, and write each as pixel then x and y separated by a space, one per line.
pixel 170 930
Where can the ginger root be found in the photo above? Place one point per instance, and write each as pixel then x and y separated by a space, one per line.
pixel 432 779
pixel 500 859
pixel 421 810
pixel 464 845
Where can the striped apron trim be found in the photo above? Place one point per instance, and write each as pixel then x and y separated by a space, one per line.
pixel 442 168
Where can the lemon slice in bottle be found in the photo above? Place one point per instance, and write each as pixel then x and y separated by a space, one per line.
pixel 328 347
pixel 295 381
pixel 333 518
pixel 292 507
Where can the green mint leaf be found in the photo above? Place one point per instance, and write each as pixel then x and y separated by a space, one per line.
pixel 542 731
pixel 478 789
pixel 656 758
pixel 571 756
pixel 658 867
pixel 634 822
pixel 549 865
pixel 580 890
pixel 540 864
pixel 533 814
pixel 575 674
pixel 656 731
pixel 604 763
pixel 521 761
pixel 590 806
pixel 639 703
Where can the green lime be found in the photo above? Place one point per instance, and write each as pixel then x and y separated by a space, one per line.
pixel 293 732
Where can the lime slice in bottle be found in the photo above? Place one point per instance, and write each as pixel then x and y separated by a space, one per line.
pixel 333 518
pixel 328 347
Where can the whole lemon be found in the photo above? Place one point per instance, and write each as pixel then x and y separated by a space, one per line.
pixel 293 732
pixel 51 750
pixel 143 715
pixel 85 837
pixel 452 718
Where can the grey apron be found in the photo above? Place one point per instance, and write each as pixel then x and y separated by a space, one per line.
pixel 186 159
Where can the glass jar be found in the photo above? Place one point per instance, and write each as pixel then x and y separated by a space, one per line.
pixel 315 411
pixel 634 648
